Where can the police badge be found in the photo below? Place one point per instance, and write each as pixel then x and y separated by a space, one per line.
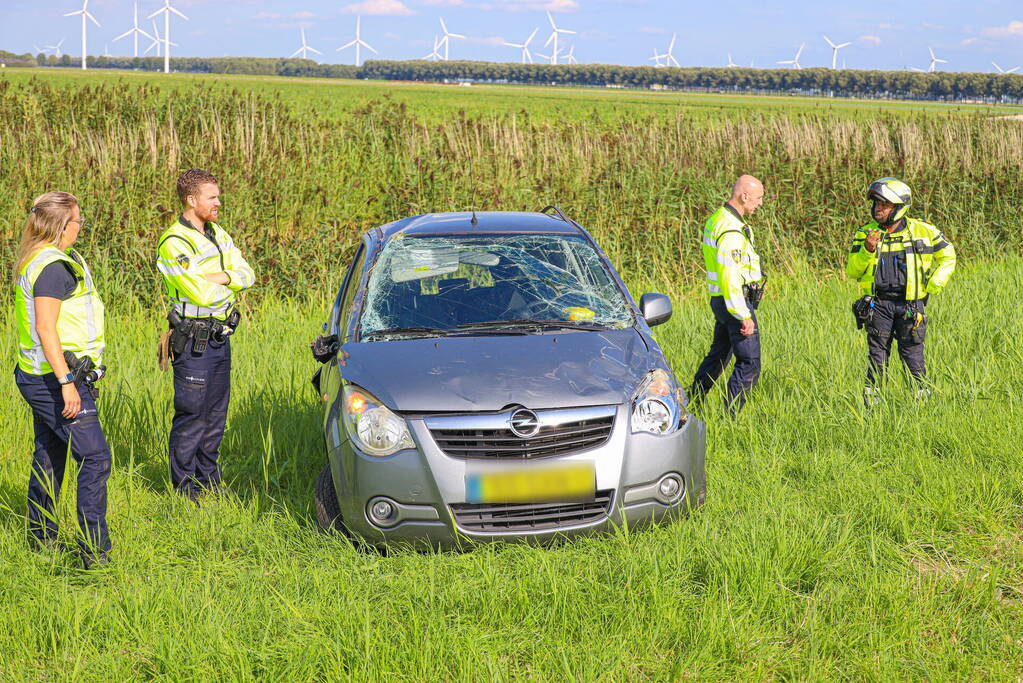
pixel 737 256
pixel 182 260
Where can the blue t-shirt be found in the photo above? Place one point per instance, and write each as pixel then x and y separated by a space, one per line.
pixel 56 280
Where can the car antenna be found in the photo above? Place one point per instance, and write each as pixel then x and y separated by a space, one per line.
pixel 472 199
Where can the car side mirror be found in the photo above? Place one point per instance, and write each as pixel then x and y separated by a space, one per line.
pixel 656 308
pixel 325 347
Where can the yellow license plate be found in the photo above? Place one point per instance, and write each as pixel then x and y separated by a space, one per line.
pixel 533 484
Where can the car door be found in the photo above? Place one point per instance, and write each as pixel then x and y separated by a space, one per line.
pixel 330 375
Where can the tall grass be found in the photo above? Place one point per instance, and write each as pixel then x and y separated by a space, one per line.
pixel 834 545
pixel 300 187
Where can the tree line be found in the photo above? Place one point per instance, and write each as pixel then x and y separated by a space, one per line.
pixel 940 86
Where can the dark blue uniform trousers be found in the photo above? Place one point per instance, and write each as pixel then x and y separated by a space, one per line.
pixel 202 389
pixel 53 434
pixel 889 323
pixel 728 341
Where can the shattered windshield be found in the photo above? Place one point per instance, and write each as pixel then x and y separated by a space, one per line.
pixel 438 283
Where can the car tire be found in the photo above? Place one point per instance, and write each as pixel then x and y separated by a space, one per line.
pixel 328 512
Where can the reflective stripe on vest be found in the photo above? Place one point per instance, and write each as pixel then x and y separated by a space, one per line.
pixel 79 323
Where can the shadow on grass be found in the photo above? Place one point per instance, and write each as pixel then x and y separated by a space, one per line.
pixel 273 451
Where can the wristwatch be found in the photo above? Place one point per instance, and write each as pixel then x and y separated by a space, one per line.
pixel 66 379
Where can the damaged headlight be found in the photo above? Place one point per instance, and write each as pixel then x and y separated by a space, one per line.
pixel 657 407
pixel 374 428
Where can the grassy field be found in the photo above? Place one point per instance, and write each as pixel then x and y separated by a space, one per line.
pixel 834 544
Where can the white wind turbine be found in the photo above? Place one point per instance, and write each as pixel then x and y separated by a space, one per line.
pixel 550 58
pixel 834 51
pixel 134 31
pixel 934 62
pixel 656 59
pixel 570 55
pixel 55 48
pixel 358 43
pixel 166 11
pixel 731 64
pixel 1005 71
pixel 525 47
pixel 157 41
pixel 795 61
pixel 446 40
pixel 669 56
pixel 85 15
pixel 305 49
pixel 435 55
pixel 554 37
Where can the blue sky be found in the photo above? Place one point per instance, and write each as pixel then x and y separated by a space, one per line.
pixel 889 35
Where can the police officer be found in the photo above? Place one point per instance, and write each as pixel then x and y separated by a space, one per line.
pixel 899 262
pixel 735 284
pixel 59 317
pixel 203 272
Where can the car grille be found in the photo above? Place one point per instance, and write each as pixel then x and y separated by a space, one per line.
pixel 530 516
pixel 561 439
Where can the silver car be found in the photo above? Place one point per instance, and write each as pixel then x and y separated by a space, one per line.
pixel 488 377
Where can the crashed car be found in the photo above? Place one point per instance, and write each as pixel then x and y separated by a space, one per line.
pixel 487 376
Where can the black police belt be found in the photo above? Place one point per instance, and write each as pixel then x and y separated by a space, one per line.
pixel 199 331
pixel 753 292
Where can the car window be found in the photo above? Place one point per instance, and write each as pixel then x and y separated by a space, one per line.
pixel 351 285
pixel 443 281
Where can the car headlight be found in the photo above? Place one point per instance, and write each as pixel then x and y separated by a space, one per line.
pixel 375 429
pixel 657 406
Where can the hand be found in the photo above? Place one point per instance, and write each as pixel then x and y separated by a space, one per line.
pixel 747 327
pixel 873 237
pixel 218 278
pixel 72 401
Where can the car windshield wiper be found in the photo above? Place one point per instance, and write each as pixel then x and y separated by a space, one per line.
pixel 414 331
pixel 533 322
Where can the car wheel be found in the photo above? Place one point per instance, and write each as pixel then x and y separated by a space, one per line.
pixel 328 512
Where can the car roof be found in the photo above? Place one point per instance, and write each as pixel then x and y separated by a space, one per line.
pixel 487 222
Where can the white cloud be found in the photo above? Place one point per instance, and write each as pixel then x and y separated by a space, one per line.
pixel 653 29
pixel 969 41
pixel 872 40
pixel 379 7
pixel 1013 29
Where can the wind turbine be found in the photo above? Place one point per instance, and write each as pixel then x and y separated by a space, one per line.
pixel 157 41
pixel 446 40
pixel 550 58
pixel 934 61
pixel 669 58
pixel 794 62
pixel 134 30
pixel 525 46
pixel 55 48
pixel 834 51
pixel 1003 71
pixel 570 55
pixel 305 49
pixel 435 55
pixel 554 37
pixel 731 64
pixel 656 59
pixel 358 43
pixel 166 11
pixel 85 15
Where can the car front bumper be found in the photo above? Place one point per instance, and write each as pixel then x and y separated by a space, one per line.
pixel 427 487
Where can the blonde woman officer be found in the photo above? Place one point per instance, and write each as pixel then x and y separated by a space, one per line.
pixel 60 331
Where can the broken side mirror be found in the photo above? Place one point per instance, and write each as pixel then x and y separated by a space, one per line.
pixel 325 347
pixel 655 308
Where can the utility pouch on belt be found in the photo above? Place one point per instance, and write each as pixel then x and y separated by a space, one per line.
pixel 180 333
pixel 863 311
pixel 753 293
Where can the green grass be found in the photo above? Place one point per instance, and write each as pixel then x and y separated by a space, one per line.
pixel 834 544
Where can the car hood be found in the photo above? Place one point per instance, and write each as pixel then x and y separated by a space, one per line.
pixel 490 373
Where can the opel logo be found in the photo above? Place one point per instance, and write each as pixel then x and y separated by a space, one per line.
pixel 524 423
